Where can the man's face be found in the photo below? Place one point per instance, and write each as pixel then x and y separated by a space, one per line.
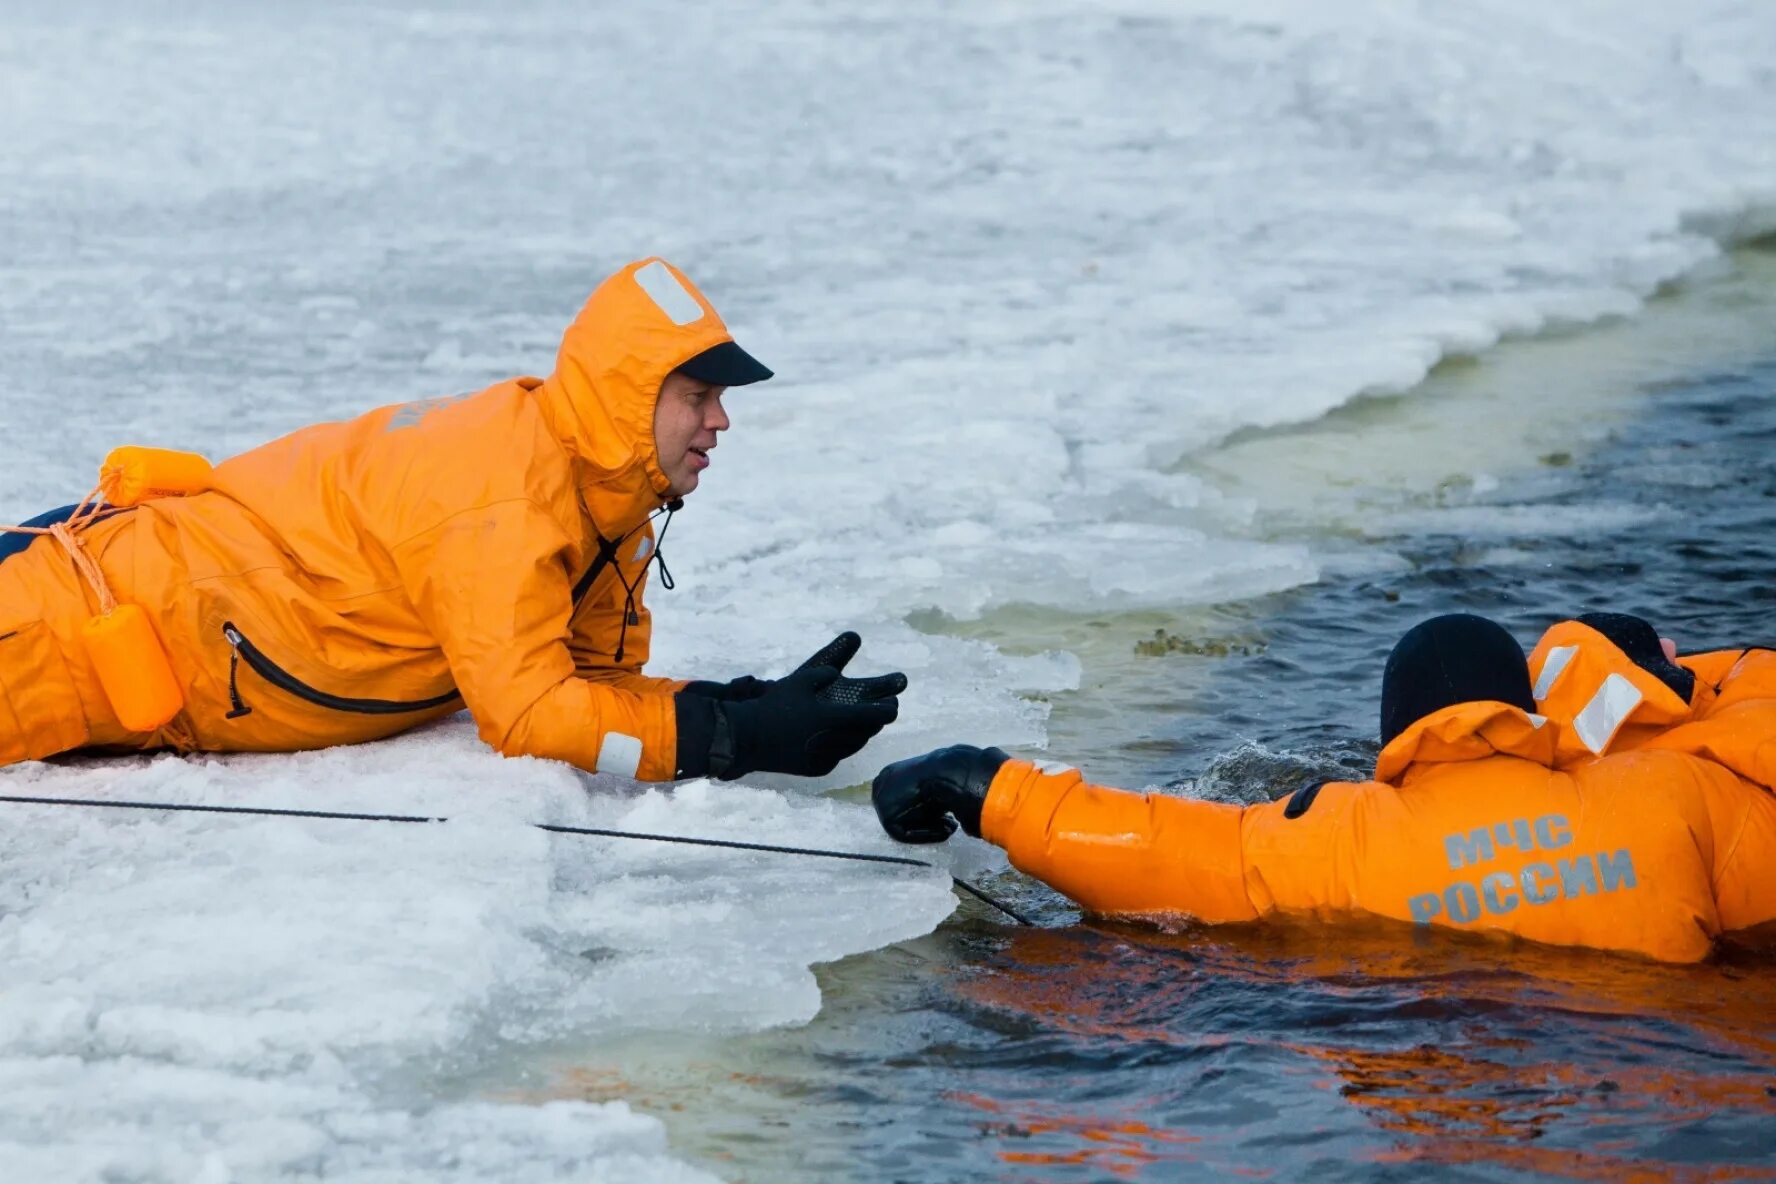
pixel 687 416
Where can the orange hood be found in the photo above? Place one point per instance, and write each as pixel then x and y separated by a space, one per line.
pixel 1467 732
pixel 635 329
pixel 1602 701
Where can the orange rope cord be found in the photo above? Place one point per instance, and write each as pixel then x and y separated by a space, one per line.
pixel 89 511
pixel 176 731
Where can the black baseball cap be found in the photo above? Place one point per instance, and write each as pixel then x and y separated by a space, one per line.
pixel 725 365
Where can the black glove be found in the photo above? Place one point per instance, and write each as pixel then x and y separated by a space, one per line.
pixel 914 798
pixel 736 690
pixel 835 654
pixel 793 727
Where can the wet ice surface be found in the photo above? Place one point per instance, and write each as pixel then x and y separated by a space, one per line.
pixel 1011 262
pixel 246 997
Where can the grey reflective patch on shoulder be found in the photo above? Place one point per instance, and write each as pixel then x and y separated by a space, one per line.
pixel 668 295
pixel 407 417
pixel 409 414
pixel 619 754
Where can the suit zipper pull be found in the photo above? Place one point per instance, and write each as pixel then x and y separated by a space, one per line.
pixel 234 696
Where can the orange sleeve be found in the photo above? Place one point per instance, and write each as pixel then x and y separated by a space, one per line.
pixel 1744 852
pixel 1741 675
pixel 491 585
pixel 1318 861
pixel 1712 667
pixel 1741 736
pixel 1120 853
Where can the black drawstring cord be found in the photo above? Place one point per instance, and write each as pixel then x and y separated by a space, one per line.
pixel 666 580
pixel 630 616
pixel 599 832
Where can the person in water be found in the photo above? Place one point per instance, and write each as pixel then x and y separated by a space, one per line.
pixel 1471 822
pixel 1614 685
pixel 488 551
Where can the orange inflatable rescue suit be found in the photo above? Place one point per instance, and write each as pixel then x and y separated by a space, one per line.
pixel 354 579
pixel 1471 822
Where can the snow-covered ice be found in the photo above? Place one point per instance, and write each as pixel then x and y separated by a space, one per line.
pixel 254 996
pixel 1010 260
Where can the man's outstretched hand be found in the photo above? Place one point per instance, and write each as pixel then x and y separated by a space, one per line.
pixel 804 723
pixel 922 799
pixel 835 653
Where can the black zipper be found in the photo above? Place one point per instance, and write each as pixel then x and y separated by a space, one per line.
pixel 278 677
pixel 239 647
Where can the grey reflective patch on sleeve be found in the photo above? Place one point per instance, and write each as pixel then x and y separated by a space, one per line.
pixel 670 296
pixel 619 754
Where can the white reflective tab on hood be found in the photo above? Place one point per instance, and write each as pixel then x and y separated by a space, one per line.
pixel 1609 708
pixel 643 548
pixel 663 288
pixel 620 754
pixel 1556 664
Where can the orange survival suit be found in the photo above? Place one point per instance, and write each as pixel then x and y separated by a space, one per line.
pixel 1466 825
pixel 353 579
pixel 1469 823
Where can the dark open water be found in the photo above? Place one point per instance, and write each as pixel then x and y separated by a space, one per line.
pixel 1087 1052
pixel 1692 485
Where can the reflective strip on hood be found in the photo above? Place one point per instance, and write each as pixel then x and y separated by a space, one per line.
pixel 1558 659
pixel 668 295
pixel 1608 709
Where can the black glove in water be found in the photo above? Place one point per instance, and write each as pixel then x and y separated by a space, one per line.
pixel 805 723
pixel 835 654
pixel 915 798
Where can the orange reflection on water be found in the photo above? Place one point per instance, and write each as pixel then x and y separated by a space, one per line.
pixel 1556 1062
pixel 1574 1165
pixel 1122 1147
pixel 1464 1108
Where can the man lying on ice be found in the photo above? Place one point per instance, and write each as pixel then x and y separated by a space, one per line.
pixel 354 579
